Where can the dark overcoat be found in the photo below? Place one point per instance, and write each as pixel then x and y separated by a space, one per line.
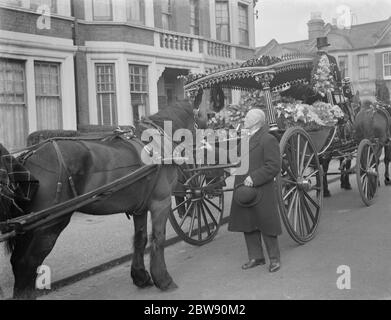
pixel 264 165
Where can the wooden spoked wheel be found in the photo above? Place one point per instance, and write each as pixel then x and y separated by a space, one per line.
pixel 367 173
pixel 300 185
pixel 198 206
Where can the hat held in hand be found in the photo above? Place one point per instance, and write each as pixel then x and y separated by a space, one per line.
pixel 246 196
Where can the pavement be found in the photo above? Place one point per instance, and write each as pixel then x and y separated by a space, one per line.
pixel 349 234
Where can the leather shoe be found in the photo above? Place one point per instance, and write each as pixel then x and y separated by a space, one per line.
pixel 274 266
pixel 253 263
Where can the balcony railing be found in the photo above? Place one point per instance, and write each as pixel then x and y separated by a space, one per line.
pixel 218 49
pixel 176 42
pixel 194 44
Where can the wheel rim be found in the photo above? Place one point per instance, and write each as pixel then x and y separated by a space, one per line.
pixel 197 217
pixel 300 185
pixel 367 172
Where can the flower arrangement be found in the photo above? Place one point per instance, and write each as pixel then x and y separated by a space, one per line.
pixel 228 118
pixel 323 80
pixel 311 117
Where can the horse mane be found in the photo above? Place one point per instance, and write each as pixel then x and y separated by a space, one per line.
pixel 181 115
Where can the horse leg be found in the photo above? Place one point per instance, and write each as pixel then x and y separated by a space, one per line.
pixel 159 213
pixel 325 165
pixel 387 160
pixel 345 167
pixel 342 168
pixel 29 252
pixel 140 276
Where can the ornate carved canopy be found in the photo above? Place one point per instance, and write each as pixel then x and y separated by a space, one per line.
pixel 277 73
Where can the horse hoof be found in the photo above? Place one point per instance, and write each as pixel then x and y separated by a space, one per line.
pixel 171 287
pixel 387 182
pixel 141 278
pixel 327 194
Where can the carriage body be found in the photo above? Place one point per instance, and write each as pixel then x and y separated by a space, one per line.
pixel 300 183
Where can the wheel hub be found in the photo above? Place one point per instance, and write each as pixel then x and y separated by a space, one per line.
pixel 372 172
pixel 303 184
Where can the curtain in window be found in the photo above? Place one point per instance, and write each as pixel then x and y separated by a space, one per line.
pixel 48 95
pixel 363 67
pixel 139 95
pixel 13 111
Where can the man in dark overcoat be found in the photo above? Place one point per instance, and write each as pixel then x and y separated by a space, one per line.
pixel 260 220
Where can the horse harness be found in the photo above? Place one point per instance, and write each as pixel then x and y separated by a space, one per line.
pixel 63 167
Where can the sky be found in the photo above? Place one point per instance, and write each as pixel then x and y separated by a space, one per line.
pixel 286 20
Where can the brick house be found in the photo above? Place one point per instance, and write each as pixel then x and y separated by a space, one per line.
pixel 110 61
pixel 363 52
pixel 144 45
pixel 36 70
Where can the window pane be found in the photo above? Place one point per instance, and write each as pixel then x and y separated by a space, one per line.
pixel 48 98
pixel 16 3
pixel 52 4
pixel 106 94
pixel 13 111
pixel 387 64
pixel 134 10
pixel 138 76
pixel 194 17
pixel 166 6
pixel 222 21
pixel 102 10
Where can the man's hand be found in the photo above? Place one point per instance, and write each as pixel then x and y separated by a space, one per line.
pixel 248 182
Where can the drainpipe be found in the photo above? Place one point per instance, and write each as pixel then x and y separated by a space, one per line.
pixel 75 31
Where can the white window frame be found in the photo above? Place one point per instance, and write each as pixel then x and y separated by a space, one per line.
pixel 346 58
pixel 226 2
pixel 114 111
pixel 386 77
pixel 242 6
pixel 167 12
pixel 53 5
pixel 44 93
pixel 103 18
pixel 363 67
pixel 195 27
pixel 141 18
pixel 142 92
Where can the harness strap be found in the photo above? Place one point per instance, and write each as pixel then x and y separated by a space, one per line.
pixel 63 167
pixel 143 205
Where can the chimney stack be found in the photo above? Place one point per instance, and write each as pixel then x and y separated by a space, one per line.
pixel 315 26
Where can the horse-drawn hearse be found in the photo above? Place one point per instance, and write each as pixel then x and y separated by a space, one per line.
pixel 105 175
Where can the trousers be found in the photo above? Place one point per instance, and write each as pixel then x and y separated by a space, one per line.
pixel 254 246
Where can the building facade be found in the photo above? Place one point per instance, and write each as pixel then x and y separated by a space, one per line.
pixel 37 88
pixel 109 62
pixel 363 52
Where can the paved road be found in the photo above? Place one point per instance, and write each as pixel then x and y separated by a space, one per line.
pixel 349 234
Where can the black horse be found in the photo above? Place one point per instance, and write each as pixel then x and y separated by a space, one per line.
pixel 91 164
